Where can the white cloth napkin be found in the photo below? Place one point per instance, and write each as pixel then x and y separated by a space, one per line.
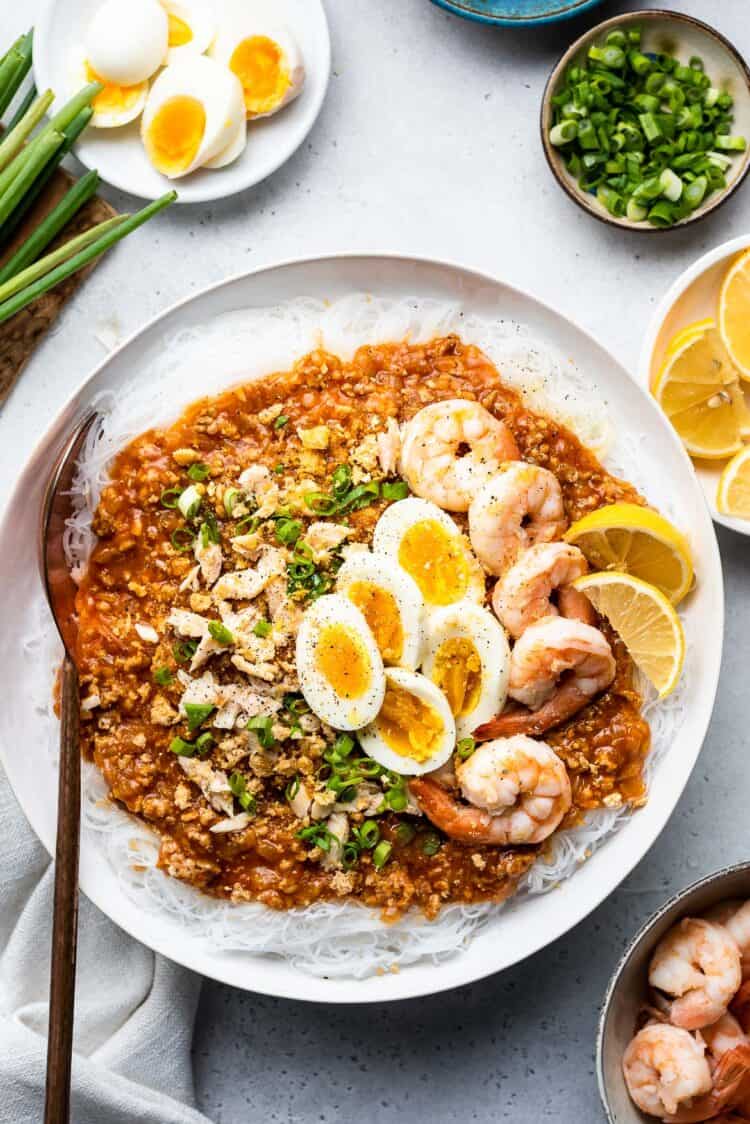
pixel 134 1010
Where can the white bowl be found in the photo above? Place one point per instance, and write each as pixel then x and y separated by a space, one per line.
pixel 510 934
pixel 693 296
pixel 119 155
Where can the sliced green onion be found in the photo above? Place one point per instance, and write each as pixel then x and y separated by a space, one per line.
pixel 204 742
pixel 431 843
pixel 563 133
pixel 609 56
pixel 238 788
pixel 184 650
pixel 394 490
pixel 465 747
pixel 197 713
pixel 288 531
pixel 367 835
pixel 198 471
pixel 695 192
pixel 671 185
pixel 381 854
pixel 262 628
pixel 182 748
pixel 231 497
pixel 404 834
pixel 182 540
pixel 190 501
pixel 635 212
pixel 730 144
pixel 318 835
pixel 262 726
pixel 163 676
pixel 292 788
pixel 220 633
pixel 280 421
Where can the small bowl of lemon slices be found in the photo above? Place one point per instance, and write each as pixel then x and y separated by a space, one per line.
pixel 696 362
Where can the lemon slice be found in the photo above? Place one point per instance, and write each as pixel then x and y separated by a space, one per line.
pixel 636 540
pixel 734 313
pixel 645 621
pixel 733 496
pixel 699 390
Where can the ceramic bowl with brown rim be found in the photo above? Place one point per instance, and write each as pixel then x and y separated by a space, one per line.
pixel 628 988
pixel 670 33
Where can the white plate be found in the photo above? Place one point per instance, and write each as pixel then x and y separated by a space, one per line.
pixel 693 296
pixel 119 155
pixel 508 937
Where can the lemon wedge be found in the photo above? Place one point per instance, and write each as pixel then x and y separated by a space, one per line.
pixel 646 622
pixel 636 540
pixel 699 390
pixel 734 313
pixel 733 495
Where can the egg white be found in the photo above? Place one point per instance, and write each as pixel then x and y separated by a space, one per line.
pixel 219 93
pixel 400 517
pixel 199 18
pixel 376 571
pixel 467 621
pixel 241 25
pixel 323 697
pixel 233 150
pixel 375 744
pixel 126 41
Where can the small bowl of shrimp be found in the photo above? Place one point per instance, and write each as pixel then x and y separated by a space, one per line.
pixel 674 1033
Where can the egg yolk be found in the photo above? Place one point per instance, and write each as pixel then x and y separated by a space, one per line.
pixel 175 133
pixel 258 62
pixel 380 609
pixel 436 561
pixel 457 671
pixel 342 658
pixel 409 726
pixel 113 98
pixel 179 32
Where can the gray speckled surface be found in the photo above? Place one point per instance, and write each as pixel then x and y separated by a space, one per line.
pixel 428 144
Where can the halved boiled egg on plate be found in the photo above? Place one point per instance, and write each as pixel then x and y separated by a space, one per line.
pixel 468 657
pixel 113 106
pixel 390 602
pixel 127 41
pixel 193 112
pixel 191 27
pixel 425 542
pixel 338 663
pixel 265 57
pixel 414 731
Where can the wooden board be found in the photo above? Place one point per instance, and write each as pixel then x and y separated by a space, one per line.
pixel 19 336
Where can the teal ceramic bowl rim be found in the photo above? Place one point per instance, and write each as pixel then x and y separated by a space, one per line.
pixel 457 8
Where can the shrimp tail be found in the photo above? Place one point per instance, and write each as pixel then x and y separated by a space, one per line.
pixel 731 1088
pixel 575 605
pixel 467 825
pixel 566 701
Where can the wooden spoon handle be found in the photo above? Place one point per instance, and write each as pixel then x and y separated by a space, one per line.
pixel 65 916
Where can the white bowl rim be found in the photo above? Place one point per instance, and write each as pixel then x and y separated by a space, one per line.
pixel 674 292
pixel 312 988
pixel 209 194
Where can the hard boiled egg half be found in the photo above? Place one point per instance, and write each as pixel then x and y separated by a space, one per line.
pixel 467 656
pixel 414 731
pixel 391 604
pixel 425 542
pixel 126 43
pixel 191 28
pixel 338 663
pixel 264 56
pixel 194 114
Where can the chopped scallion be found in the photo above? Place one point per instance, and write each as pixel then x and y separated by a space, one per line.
pixel 220 633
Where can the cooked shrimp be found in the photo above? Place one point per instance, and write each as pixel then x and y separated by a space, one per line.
pixel 737 924
pixel 523 595
pixel 665 1067
pixel 740 1006
pixel 520 506
pixel 451 448
pixel 698 964
pixel 730 1089
pixel 517 791
pixel 550 648
pixel 723 1035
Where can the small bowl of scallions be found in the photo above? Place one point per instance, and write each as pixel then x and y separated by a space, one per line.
pixel 646 120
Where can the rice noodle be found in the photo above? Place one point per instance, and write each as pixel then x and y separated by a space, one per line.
pixel 331 939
